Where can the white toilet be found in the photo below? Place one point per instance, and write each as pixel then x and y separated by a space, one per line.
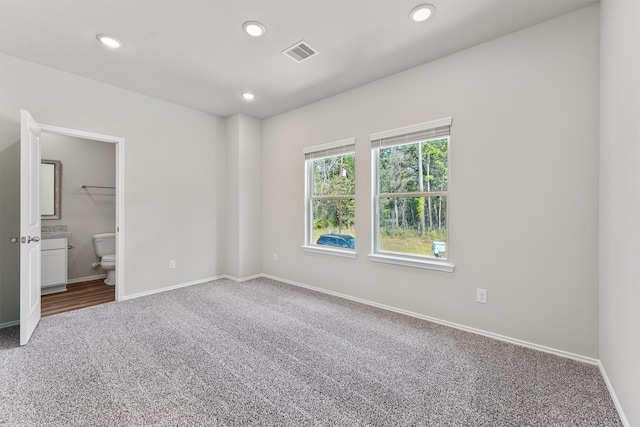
pixel 105 246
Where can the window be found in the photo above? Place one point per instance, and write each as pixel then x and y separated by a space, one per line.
pixel 330 198
pixel 410 195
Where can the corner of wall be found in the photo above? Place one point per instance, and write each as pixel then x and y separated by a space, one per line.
pixel 243 196
pixel 619 189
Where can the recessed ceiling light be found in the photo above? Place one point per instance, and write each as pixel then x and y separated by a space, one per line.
pixel 109 41
pixel 254 29
pixel 248 96
pixel 422 13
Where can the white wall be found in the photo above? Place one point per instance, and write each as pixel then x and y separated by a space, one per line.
pixel 174 174
pixel 250 211
pixel 231 253
pixel 620 201
pixel 85 211
pixel 523 189
pixel 243 197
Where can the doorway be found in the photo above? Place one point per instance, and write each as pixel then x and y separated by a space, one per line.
pixel 30 216
pixel 93 207
pixel 84 205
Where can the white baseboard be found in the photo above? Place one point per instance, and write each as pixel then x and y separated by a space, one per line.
pixel 242 279
pixel 86 279
pixel 616 402
pixel 9 324
pixel 169 288
pixel 510 340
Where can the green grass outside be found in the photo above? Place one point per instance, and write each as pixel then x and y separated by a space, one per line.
pixel 412 245
pixel 404 242
pixel 412 242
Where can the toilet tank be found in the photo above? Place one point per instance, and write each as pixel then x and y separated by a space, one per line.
pixel 104 244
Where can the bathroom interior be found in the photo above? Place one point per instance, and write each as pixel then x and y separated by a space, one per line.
pixel 78 211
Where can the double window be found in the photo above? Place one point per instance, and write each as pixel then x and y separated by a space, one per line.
pixel 410 195
pixel 330 198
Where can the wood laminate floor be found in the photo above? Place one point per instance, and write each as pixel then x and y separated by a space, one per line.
pixel 78 295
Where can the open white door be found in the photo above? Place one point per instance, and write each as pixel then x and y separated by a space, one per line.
pixel 29 226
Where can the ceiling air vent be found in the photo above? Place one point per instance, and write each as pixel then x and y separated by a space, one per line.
pixel 300 51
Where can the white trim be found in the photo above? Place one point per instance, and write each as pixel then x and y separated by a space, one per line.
pixel 330 251
pixel 410 129
pixel 79 133
pixel 241 279
pixel 329 145
pixel 86 279
pixel 616 402
pixel 375 184
pixel 9 324
pixel 169 288
pixel 430 264
pixel 510 340
pixel 120 222
pixel 308 233
pixel 120 184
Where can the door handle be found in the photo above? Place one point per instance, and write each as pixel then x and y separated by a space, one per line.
pixel 24 239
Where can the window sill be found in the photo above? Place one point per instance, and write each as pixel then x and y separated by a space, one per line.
pixel 430 264
pixel 345 253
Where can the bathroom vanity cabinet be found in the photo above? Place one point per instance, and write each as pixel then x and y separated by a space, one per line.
pixel 54 265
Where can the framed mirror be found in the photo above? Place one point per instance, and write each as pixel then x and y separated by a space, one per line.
pixel 50 189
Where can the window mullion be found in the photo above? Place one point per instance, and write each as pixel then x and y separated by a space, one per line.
pixel 413 194
pixel 341 197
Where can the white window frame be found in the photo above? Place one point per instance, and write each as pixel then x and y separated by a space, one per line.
pixel 336 148
pixel 435 129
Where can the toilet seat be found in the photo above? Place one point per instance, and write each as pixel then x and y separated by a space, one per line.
pixel 109 258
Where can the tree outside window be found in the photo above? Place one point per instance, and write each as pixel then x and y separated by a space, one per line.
pixel 330 197
pixel 333 196
pixel 412 198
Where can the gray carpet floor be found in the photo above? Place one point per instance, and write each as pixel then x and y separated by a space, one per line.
pixel 265 353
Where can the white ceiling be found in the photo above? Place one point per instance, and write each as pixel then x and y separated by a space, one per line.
pixel 195 53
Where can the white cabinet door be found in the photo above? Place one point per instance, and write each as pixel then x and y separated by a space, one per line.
pixel 54 262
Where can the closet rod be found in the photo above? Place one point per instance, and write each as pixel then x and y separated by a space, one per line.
pixel 96 186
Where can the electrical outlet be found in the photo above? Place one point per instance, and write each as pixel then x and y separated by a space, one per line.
pixel 275 257
pixel 481 296
pixel 172 264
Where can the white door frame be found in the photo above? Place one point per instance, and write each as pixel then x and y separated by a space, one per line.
pixel 119 142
